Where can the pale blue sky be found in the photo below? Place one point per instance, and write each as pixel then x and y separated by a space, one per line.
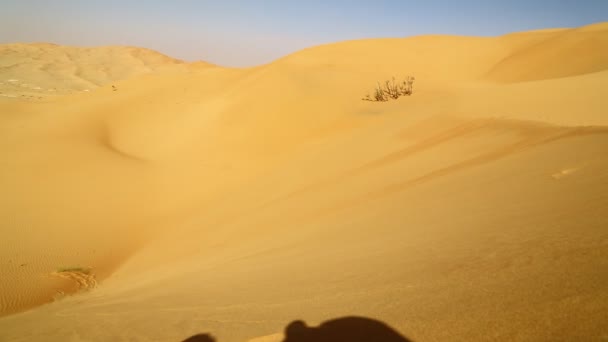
pixel 249 32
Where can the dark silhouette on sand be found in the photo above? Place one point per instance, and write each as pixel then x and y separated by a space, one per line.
pixel 200 338
pixel 351 329
pixel 345 329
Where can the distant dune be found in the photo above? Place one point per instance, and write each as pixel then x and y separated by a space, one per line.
pixel 42 69
pixel 175 199
pixel 560 54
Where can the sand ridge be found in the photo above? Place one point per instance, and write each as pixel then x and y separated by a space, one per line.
pixel 565 53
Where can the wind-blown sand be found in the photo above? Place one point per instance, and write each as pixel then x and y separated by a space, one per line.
pixel 193 199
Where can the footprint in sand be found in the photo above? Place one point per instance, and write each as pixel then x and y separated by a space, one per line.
pixel 81 279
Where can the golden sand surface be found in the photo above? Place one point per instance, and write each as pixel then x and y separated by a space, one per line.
pixel 148 199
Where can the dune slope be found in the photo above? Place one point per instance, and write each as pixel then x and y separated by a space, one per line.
pixel 234 201
pixel 561 54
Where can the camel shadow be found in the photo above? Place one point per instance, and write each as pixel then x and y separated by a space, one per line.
pixel 352 329
pixel 347 329
pixel 200 338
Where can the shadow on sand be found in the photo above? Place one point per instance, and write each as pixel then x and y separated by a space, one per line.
pixel 351 329
pixel 200 338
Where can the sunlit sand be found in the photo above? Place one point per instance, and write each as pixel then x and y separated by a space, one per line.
pixel 148 199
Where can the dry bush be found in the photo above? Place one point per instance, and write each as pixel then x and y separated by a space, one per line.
pixel 392 90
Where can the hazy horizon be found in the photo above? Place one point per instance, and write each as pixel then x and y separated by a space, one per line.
pixel 241 33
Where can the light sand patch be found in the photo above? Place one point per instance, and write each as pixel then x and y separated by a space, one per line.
pixel 565 173
pixel 269 338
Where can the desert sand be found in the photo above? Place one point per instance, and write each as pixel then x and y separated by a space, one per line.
pixel 148 199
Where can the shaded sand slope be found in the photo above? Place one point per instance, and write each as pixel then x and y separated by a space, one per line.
pixel 234 201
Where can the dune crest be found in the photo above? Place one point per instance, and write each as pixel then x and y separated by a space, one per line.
pixel 565 54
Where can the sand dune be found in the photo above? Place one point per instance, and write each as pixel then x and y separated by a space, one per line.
pixel 189 199
pixel 39 70
pixel 561 54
